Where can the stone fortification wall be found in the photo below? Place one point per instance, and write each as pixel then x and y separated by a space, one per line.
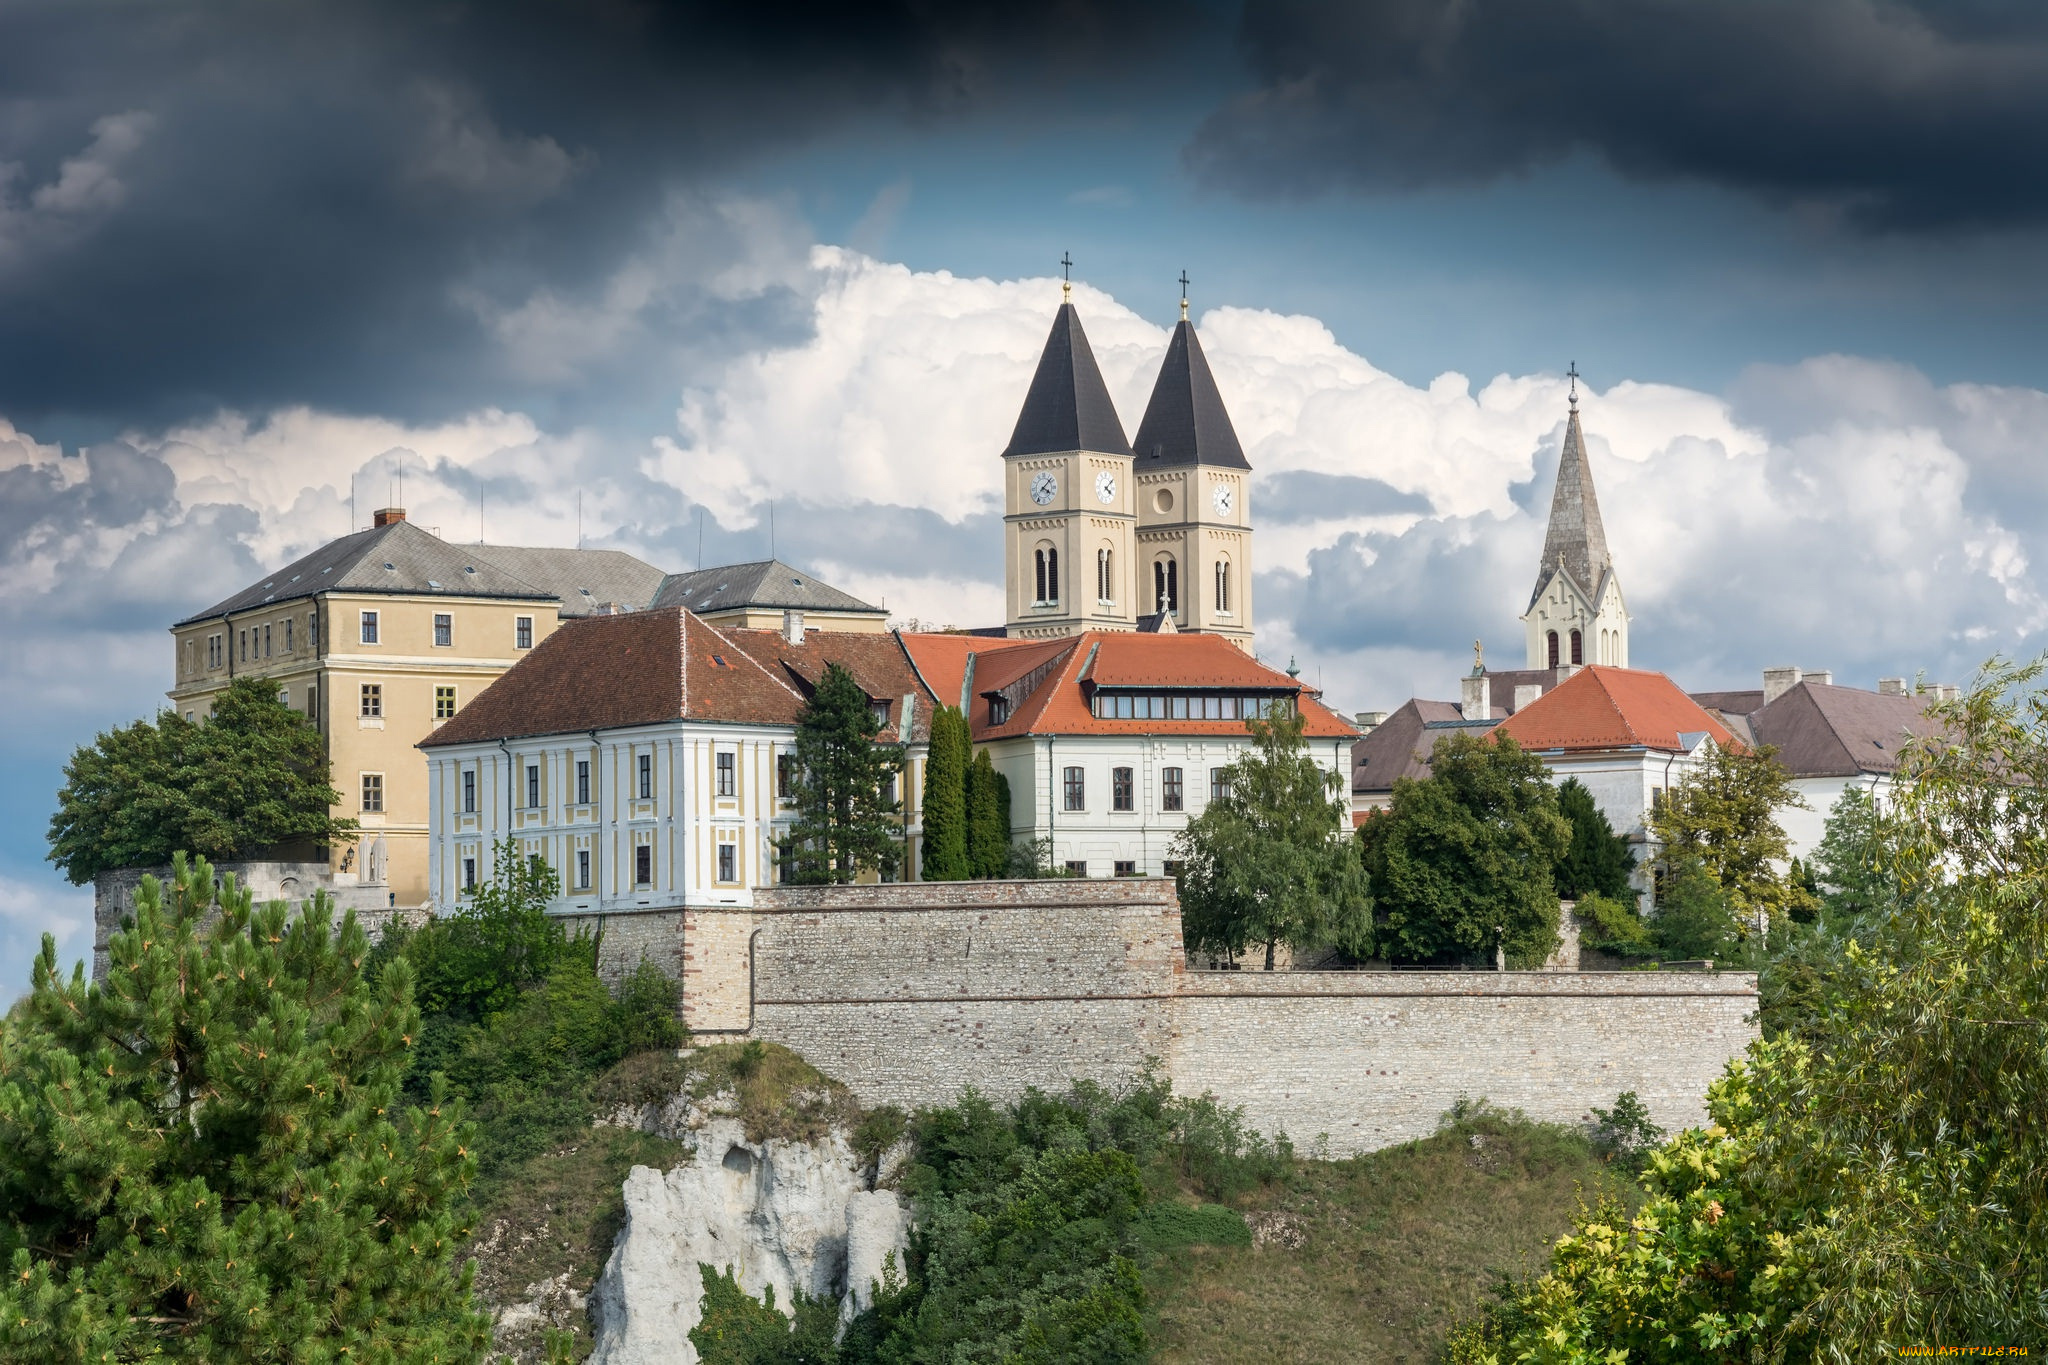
pixel 910 992
pixel 113 895
pixel 1372 1058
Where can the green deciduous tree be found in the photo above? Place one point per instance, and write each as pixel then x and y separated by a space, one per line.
pixel 847 822
pixel 1723 816
pixel 498 939
pixel 1268 863
pixel 943 857
pixel 988 818
pixel 1463 859
pixel 1874 1180
pixel 251 777
pixel 205 1157
pixel 1597 862
pixel 1848 866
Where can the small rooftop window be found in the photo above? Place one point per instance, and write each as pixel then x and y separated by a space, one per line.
pixel 469 568
pixel 271 584
pixel 584 591
pixel 798 581
pixel 389 565
pixel 432 584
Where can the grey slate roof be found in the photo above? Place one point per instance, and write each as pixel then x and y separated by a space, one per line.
pixel 1824 731
pixel 584 580
pixel 1401 745
pixel 1067 406
pixel 1576 538
pixel 768 583
pixel 1185 423
pixel 399 558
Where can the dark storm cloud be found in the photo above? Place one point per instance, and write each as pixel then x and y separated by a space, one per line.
pixel 1913 116
pixel 250 204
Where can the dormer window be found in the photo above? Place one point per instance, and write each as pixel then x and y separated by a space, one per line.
pixel 998 709
pixel 881 713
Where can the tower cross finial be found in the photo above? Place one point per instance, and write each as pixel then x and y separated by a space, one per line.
pixel 1066 277
pixel 1573 373
pixel 1183 296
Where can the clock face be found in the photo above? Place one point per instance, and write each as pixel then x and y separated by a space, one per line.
pixel 1044 488
pixel 1222 498
pixel 1105 487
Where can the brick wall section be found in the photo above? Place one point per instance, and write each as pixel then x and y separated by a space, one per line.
pixel 1372 1058
pixel 623 938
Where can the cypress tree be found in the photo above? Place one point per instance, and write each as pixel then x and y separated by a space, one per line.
pixel 1597 863
pixel 205 1157
pixel 944 855
pixel 846 821
pixel 988 833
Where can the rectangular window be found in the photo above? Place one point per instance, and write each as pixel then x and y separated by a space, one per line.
pixel 284 696
pixel 1076 868
pixel 728 862
pixel 373 699
pixel 582 781
pixel 998 709
pixel 312 630
pixel 1077 789
pixel 522 632
pixel 643 865
pixel 469 791
pixel 369 627
pixel 243 645
pixel 444 703
pixel 469 874
pixel 728 777
pixel 1173 867
pixel 1179 708
pixel 647 777
pixel 1126 869
pixel 266 641
pixel 1123 789
pixel 1169 789
pixel 785 776
pixel 373 793
pixel 533 786
pixel 287 634
pixel 1219 784
pixel 313 703
pixel 582 869
pixel 444 629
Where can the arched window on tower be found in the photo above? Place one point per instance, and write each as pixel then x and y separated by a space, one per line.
pixel 1165 585
pixel 1223 585
pixel 1048 575
pixel 1578 648
pixel 1552 637
pixel 1103 581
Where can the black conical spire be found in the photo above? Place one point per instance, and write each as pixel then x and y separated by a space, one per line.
pixel 1068 407
pixel 1185 423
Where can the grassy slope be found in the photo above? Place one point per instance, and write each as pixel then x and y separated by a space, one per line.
pixel 1392 1248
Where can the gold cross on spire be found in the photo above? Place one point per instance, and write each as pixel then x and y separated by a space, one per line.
pixel 1183 296
pixel 1066 277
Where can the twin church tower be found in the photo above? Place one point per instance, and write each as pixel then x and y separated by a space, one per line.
pixel 1103 533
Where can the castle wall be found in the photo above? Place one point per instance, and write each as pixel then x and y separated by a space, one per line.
pixel 909 992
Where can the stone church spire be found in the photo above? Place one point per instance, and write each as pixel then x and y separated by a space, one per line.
pixel 1067 406
pixel 1576 538
pixel 1576 614
pixel 1185 423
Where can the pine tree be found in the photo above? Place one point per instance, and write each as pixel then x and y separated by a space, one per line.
pixel 944 856
pixel 1597 863
pixel 988 827
pixel 847 821
pixel 204 1159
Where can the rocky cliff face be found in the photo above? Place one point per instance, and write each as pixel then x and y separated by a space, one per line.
pixel 788 1215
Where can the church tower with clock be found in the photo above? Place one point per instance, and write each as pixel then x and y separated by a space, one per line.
pixel 1070 513
pixel 1194 506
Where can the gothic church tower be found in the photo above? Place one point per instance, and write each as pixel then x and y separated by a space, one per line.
pixel 1576 615
pixel 1069 509
pixel 1194 505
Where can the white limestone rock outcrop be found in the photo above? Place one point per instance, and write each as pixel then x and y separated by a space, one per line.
pixel 786 1215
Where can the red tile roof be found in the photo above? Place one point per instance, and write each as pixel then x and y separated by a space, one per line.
pixel 1057 702
pixel 1613 708
pixel 878 663
pixel 605 672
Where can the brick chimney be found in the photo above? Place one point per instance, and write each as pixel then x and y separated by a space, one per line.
pixel 384 516
pixel 1779 681
pixel 1891 687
